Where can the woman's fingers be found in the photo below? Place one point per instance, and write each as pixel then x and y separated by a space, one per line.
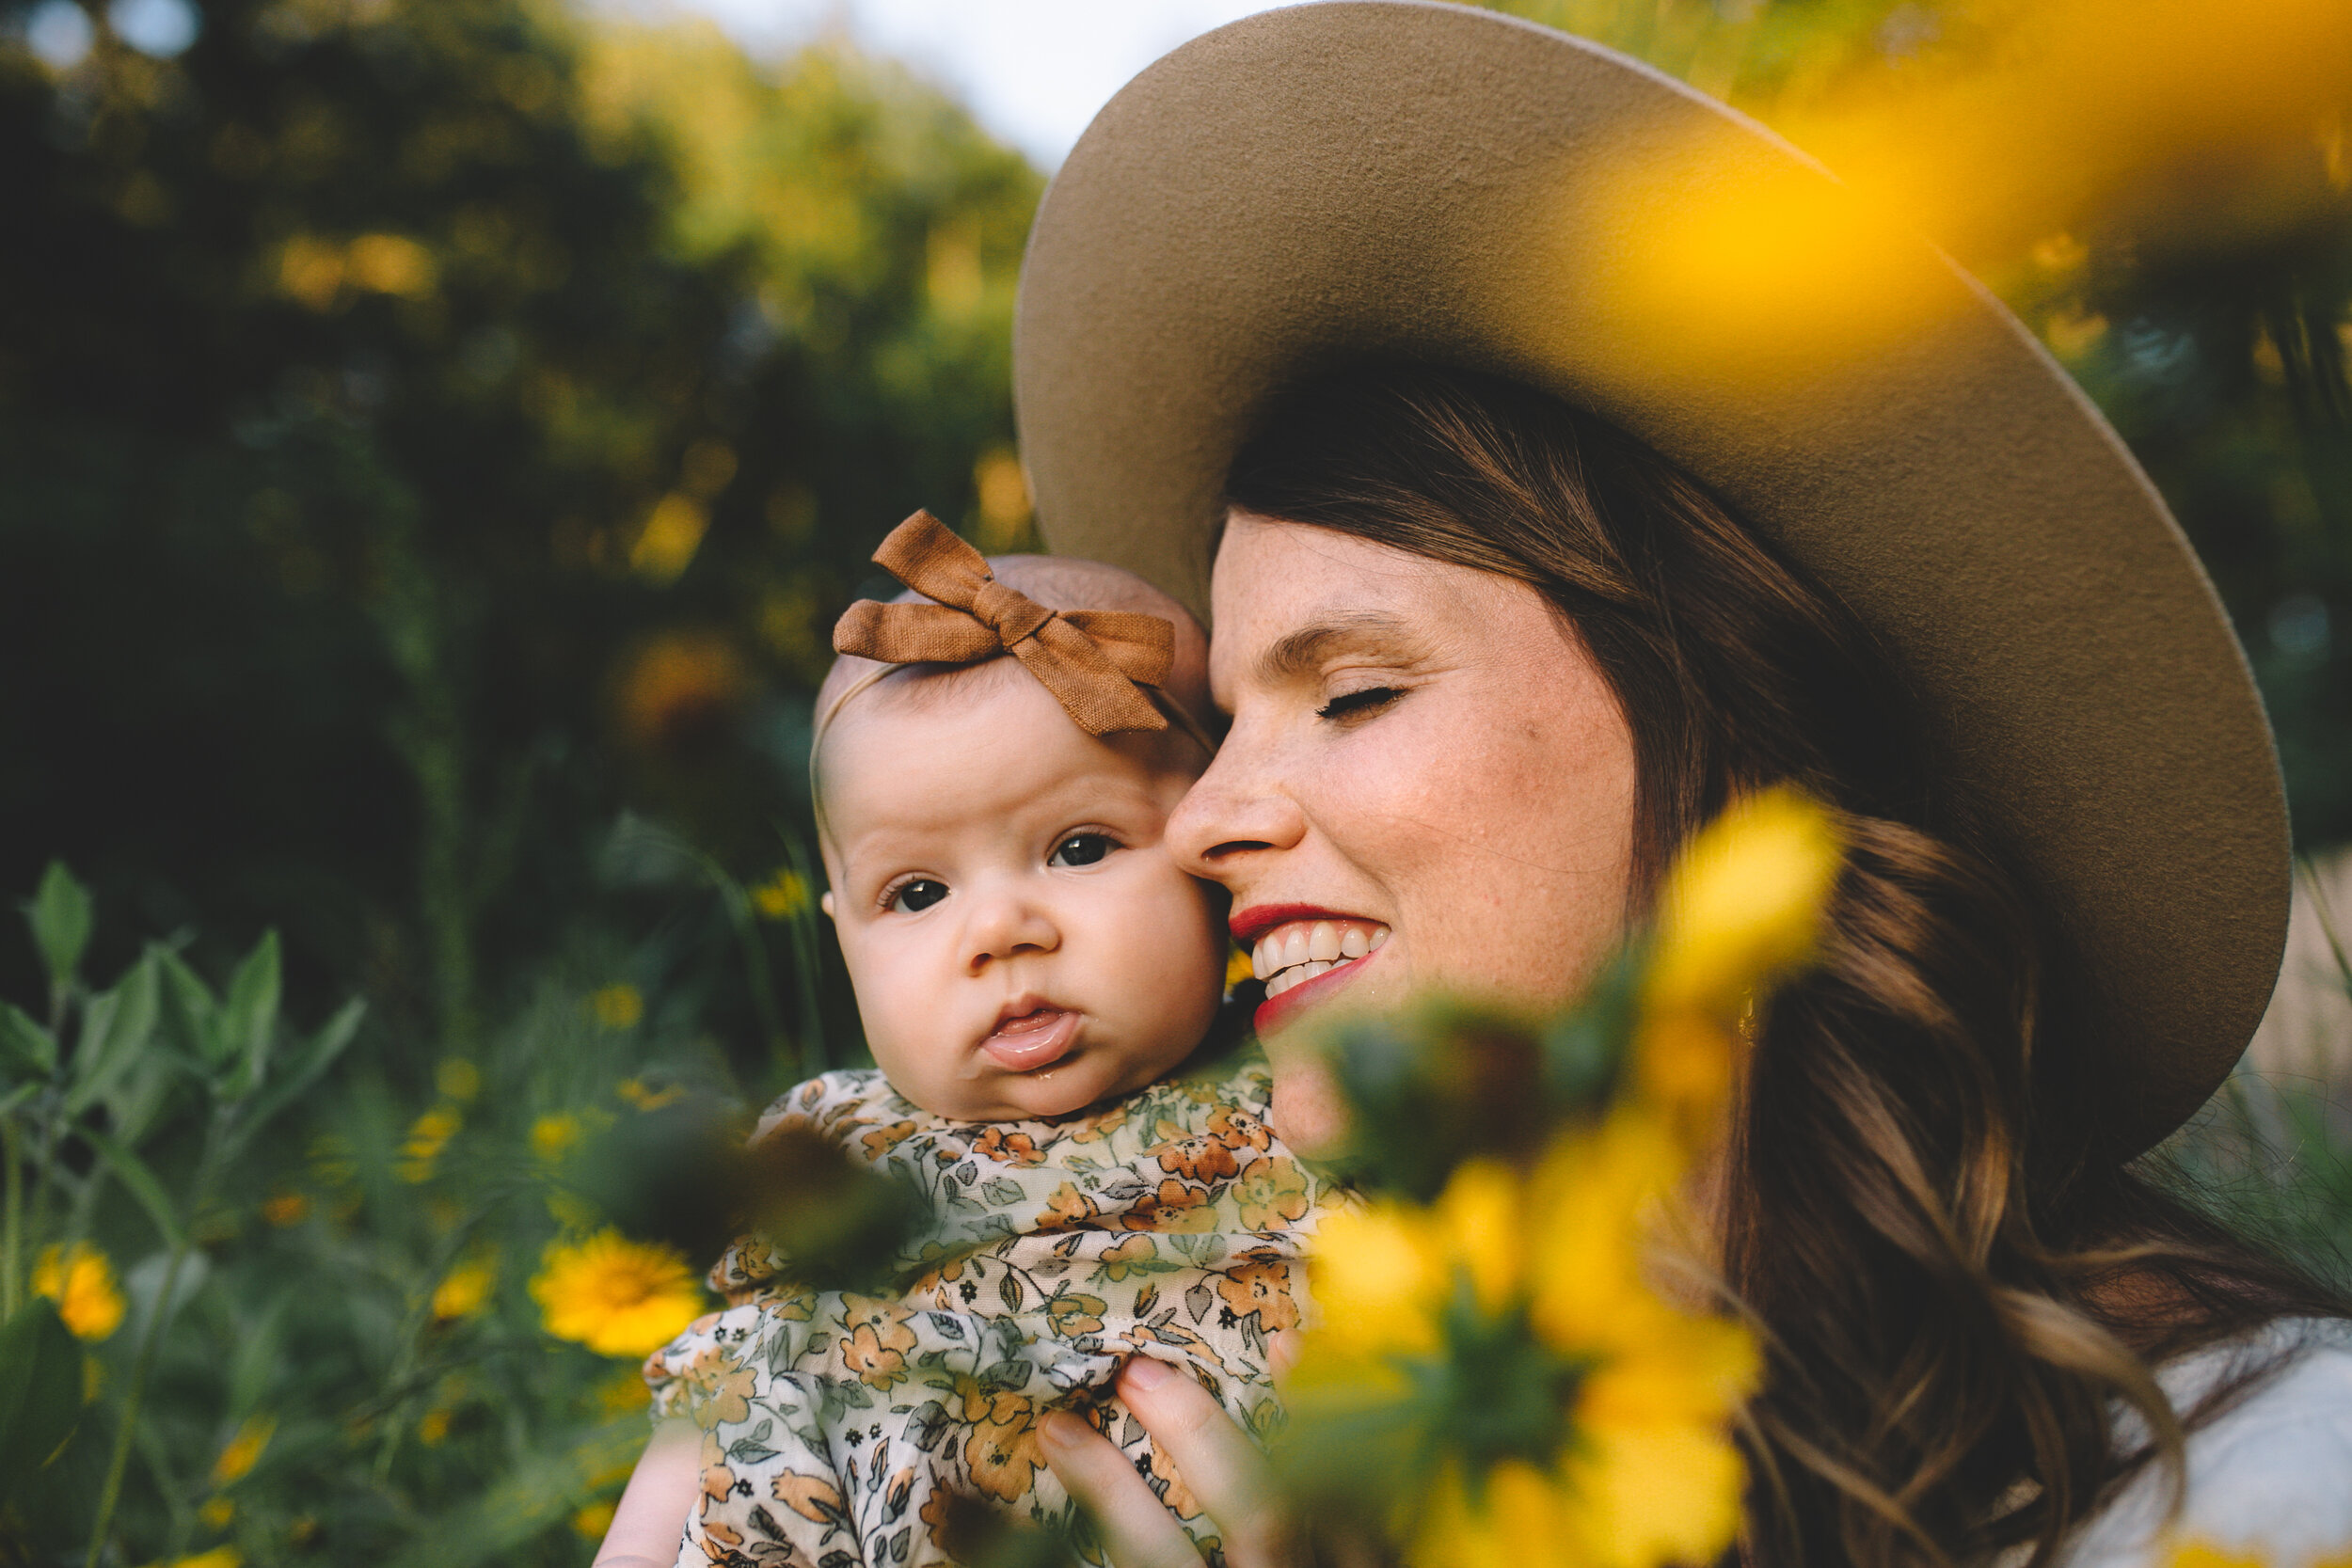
pixel 1220 1465
pixel 1137 1530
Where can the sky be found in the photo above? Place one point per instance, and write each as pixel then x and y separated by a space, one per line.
pixel 1033 71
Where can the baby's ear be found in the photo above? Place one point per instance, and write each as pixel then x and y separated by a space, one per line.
pixel 825 904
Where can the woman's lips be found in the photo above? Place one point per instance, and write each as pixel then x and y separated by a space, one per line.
pixel 1030 1040
pixel 1304 954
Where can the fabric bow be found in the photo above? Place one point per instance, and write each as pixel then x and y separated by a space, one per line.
pixel 1094 661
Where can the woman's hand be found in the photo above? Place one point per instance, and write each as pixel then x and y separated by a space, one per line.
pixel 1220 1465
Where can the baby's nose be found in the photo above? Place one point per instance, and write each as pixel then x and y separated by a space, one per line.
pixel 1005 925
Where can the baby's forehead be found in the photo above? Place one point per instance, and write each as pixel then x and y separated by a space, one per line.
pixel 934 745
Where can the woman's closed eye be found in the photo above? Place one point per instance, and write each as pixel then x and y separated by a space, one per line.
pixel 915 894
pixel 1356 704
pixel 1082 849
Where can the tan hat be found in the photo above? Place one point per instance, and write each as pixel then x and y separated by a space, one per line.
pixel 1402 180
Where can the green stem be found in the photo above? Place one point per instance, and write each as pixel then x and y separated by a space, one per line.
pixel 150 1340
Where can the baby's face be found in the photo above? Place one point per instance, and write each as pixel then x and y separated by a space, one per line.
pixel 1020 943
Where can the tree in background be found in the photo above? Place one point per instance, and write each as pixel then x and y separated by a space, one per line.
pixel 426 428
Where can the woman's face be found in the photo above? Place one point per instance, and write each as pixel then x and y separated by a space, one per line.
pixel 1425 768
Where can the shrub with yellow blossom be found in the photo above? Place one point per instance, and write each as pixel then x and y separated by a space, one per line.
pixel 1498 1353
pixel 82 1283
pixel 616 1296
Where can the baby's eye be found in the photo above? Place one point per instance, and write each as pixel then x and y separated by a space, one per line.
pixel 1081 849
pixel 916 896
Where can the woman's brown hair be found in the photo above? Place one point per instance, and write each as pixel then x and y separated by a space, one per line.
pixel 1955 1280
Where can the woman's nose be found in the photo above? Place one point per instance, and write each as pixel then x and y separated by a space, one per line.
pixel 1234 810
pixel 1003 923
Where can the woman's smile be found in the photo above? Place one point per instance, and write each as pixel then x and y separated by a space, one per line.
pixel 1293 946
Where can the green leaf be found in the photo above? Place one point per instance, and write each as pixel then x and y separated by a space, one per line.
pixel 116 1027
pixel 320 1054
pixel 25 1047
pixel 40 1392
pixel 61 917
pixel 248 1016
pixel 189 1007
pixel 140 1178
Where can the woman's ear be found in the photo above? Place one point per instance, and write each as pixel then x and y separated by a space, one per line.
pixel 825 903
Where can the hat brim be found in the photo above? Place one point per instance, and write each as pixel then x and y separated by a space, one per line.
pixel 1402 180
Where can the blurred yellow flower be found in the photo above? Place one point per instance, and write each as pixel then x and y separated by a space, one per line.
pixel 219 1556
pixel 427 1136
pixel 616 1296
pixel 82 1283
pixel 592 1521
pixel 1741 907
pixel 784 894
pixel 217 1513
pixel 645 1097
pixel 283 1208
pixel 457 1077
pixel 618 1007
pixel 555 1134
pixel 1237 968
pixel 465 1289
pixel 1743 903
pixel 433 1428
pixel 2194 1553
pixel 244 1451
pixel 1585 1418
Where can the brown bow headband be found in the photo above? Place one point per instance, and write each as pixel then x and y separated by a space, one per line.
pixel 1094 661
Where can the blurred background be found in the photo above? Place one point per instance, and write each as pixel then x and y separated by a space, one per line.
pixel 436 439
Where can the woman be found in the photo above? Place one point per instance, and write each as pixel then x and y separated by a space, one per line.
pixel 1339 299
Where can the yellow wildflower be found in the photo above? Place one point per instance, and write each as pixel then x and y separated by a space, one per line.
pixel 618 1007
pixel 1237 968
pixel 433 1428
pixel 219 1556
pixel 217 1513
pixel 1743 903
pixel 2204 1554
pixel 457 1077
pixel 242 1452
pixel 555 1134
pixel 465 1289
pixel 1741 907
pixel 427 1136
pixel 1585 1418
pixel 82 1283
pixel 645 1097
pixel 616 1296
pixel 592 1521
pixel 784 894
pixel 283 1208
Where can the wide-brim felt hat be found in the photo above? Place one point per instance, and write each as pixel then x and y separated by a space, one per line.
pixel 1394 180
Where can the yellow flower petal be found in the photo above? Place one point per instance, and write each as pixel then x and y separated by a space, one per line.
pixel 82 1283
pixel 243 1452
pixel 1742 902
pixel 616 1296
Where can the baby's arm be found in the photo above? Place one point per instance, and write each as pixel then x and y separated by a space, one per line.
pixel 651 1518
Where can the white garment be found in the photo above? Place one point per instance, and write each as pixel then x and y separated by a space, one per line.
pixel 2272 1477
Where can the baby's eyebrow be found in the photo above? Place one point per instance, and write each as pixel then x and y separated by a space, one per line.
pixel 1303 652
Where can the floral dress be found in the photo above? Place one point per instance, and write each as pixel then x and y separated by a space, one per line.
pixel 837 1428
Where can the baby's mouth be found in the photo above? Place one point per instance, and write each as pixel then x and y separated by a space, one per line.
pixel 1037 1036
pixel 1297 951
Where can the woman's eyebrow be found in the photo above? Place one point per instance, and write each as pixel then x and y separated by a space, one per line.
pixel 1304 651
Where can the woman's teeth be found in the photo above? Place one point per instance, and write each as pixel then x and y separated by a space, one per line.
pixel 1301 949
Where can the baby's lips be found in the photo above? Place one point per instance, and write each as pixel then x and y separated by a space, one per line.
pixel 1032 1041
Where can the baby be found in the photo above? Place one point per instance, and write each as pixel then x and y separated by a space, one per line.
pixel 1033 970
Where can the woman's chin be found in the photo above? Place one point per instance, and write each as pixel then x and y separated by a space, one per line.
pixel 1309 1113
